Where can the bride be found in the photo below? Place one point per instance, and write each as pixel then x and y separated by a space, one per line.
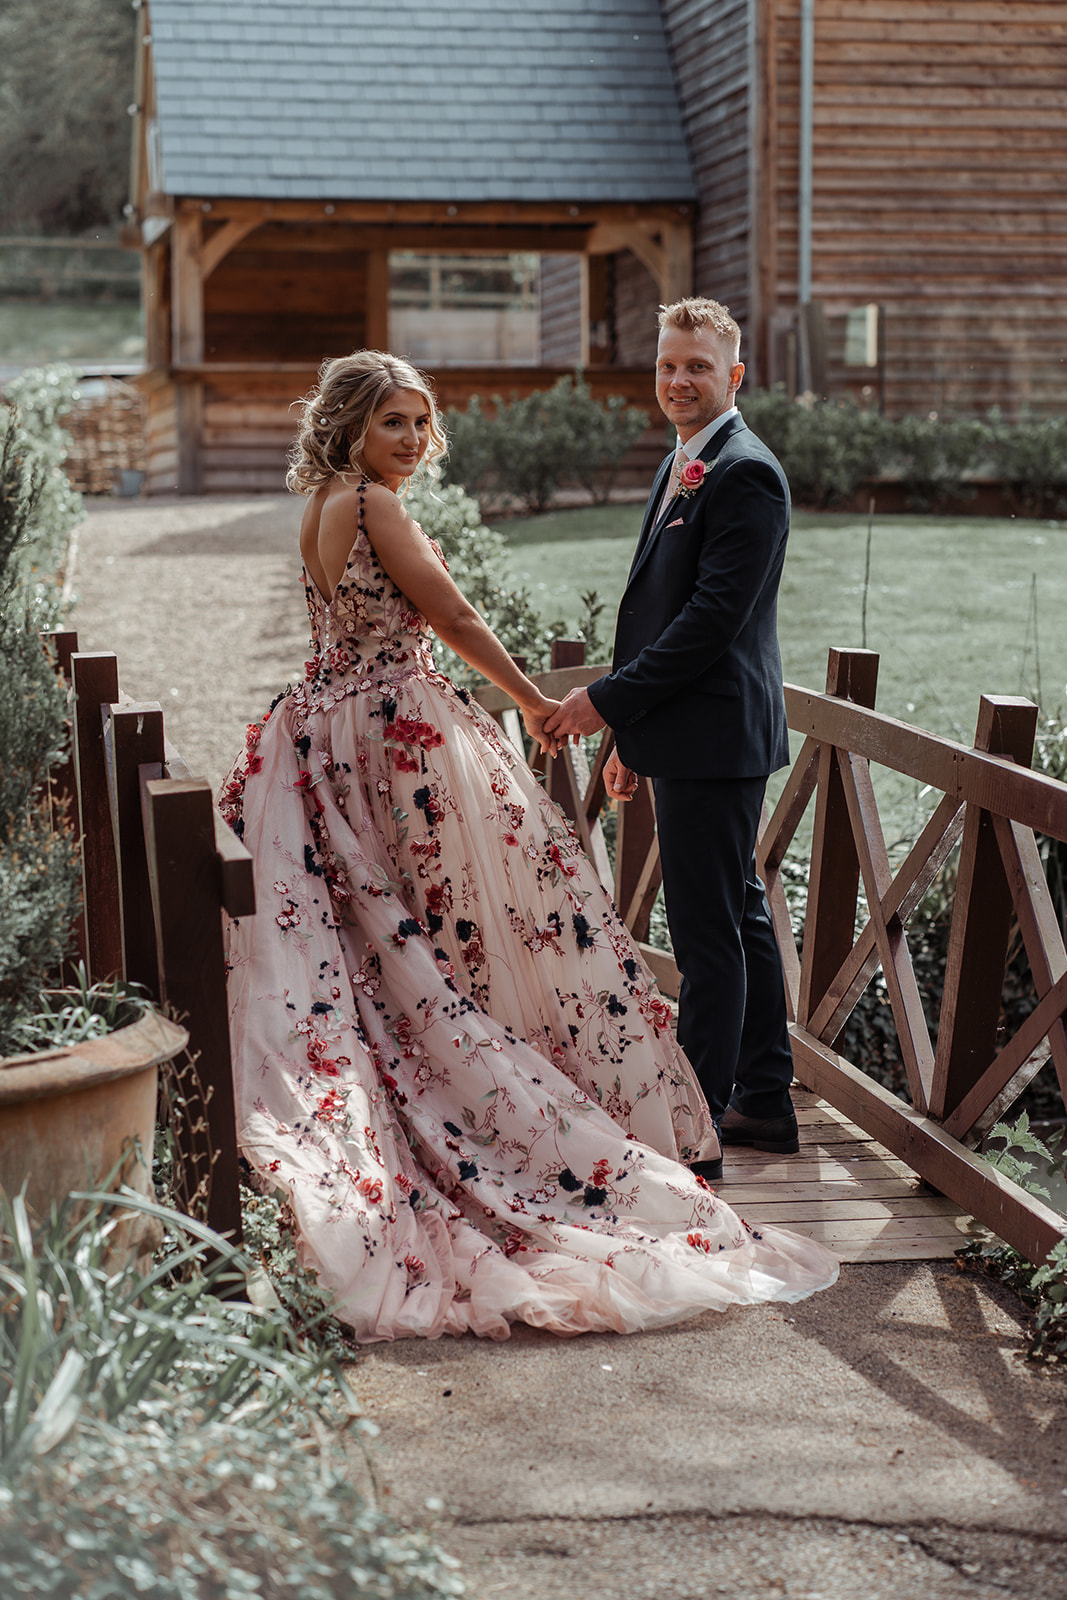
pixel 448 1053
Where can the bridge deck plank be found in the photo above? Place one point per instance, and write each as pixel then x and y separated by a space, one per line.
pixel 844 1189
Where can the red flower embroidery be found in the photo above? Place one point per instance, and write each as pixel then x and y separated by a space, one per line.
pixel 331 1106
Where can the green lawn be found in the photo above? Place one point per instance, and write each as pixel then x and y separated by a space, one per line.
pixel 950 606
pixel 91 335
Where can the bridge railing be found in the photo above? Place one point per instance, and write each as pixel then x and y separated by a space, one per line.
pixel 990 807
pixel 159 867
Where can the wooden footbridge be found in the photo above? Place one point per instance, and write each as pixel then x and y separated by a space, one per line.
pixel 877 1178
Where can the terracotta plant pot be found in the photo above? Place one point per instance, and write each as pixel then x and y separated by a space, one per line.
pixel 74 1118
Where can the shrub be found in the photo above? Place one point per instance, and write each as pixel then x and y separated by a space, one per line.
pixel 1043 1288
pixel 604 433
pixel 39 879
pixel 39 396
pixel 769 413
pixel 471 460
pixel 533 444
pixel 161 1440
pixel 1031 459
pixel 827 448
pixel 475 556
pixel 935 457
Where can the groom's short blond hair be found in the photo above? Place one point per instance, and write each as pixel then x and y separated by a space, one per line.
pixel 694 313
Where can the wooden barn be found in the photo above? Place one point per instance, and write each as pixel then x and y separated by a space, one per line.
pixel 501 195
pixel 875 187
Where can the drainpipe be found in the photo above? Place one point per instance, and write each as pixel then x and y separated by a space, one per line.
pixel 807 103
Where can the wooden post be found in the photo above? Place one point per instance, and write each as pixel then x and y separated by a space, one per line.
pixel 187 289
pixel 564 653
pixel 187 344
pixel 981 922
pixel 157 303
pixel 63 778
pixel 134 740
pixel 834 882
pixel 189 426
pixel 95 678
pixel 185 871
pixel 377 306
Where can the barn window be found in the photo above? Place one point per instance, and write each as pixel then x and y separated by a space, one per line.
pixel 464 310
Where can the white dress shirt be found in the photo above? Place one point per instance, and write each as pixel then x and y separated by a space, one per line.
pixel 691 449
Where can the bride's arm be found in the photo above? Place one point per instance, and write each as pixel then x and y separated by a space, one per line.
pixel 406 556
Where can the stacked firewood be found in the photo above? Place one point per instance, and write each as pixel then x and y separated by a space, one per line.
pixel 108 433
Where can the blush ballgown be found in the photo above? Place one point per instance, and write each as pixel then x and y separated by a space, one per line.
pixel 448 1054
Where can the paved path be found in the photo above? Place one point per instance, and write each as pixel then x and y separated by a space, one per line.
pixel 885 1439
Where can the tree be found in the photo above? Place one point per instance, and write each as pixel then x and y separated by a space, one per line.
pixel 66 80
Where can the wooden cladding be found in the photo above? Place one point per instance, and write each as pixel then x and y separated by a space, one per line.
pixel 939 191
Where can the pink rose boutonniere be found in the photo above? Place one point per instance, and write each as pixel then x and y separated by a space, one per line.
pixel 692 476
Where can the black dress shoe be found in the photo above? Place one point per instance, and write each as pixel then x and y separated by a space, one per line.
pixel 777 1135
pixel 710 1171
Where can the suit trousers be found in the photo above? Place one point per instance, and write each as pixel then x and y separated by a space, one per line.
pixel 732 1021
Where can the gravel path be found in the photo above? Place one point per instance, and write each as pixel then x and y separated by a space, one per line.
pixel 201 601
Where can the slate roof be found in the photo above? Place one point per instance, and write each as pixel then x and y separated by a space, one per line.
pixel 476 100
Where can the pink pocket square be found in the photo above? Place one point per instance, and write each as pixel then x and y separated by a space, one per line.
pixel 677 523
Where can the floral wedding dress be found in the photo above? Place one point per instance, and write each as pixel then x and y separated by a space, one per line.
pixel 448 1054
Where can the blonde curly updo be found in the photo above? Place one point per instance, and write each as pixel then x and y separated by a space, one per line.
pixel 335 416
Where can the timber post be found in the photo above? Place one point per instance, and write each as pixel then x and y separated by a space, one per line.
pixel 559 777
pixel 134 740
pixel 187 890
pixel 63 778
pixel 95 682
pixel 835 869
pixel 981 921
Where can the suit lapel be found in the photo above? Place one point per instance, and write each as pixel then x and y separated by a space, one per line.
pixel 654 524
pixel 650 517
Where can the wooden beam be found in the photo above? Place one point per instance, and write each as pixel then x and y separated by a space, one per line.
pixel 221 243
pixel 155 298
pixel 63 780
pixel 438 212
pixel 611 238
pixel 325 237
pixel 187 288
pixel 994 782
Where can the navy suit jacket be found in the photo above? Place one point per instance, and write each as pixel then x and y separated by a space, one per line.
pixel 695 689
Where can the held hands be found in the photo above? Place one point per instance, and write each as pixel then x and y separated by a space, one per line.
pixel 619 781
pixel 574 716
pixel 535 716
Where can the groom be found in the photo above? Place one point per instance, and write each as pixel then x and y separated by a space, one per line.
pixel 695 701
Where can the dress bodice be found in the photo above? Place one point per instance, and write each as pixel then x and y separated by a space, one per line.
pixel 368 633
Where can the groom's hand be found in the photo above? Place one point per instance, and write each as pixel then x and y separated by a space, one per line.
pixel 619 781
pixel 575 715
